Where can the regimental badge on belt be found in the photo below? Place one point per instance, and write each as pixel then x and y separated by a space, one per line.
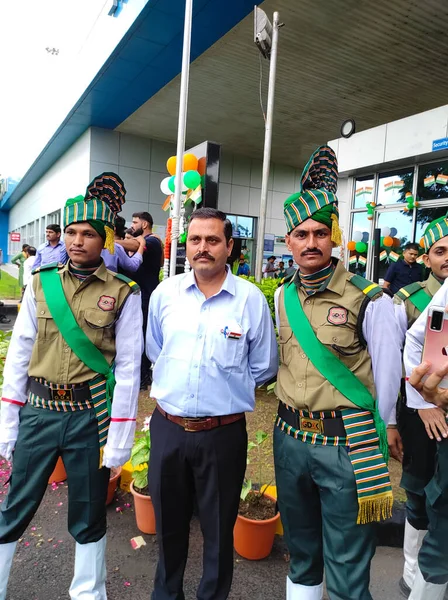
pixel 106 303
pixel 311 425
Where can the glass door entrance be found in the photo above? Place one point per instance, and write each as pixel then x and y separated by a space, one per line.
pixel 398 227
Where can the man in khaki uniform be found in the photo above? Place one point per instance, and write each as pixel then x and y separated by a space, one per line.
pixel 340 367
pixel 76 321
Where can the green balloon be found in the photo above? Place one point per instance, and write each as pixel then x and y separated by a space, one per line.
pixel 192 179
pixel 361 247
pixel 171 183
pixel 381 241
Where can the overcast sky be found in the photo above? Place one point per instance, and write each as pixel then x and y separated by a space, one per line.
pixel 39 88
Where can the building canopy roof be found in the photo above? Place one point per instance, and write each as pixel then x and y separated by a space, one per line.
pixel 373 61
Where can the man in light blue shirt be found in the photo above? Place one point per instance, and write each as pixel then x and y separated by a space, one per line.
pixel 50 252
pixel 211 338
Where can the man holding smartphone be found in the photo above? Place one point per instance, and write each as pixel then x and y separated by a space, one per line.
pixel 432 575
pixel 419 426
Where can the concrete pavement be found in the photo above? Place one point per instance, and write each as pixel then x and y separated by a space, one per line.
pixel 43 565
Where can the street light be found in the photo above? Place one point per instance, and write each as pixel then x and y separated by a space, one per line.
pixel 266 39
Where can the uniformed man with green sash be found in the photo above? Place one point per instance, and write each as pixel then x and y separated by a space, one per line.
pixel 71 383
pixel 339 376
pixel 422 424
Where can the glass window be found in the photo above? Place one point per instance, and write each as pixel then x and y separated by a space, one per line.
pixel 360 239
pixel 363 191
pixel 392 186
pixel 395 225
pixel 432 182
pixel 425 216
pixel 243 227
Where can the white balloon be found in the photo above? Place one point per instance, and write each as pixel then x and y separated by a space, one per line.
pixel 357 236
pixel 164 187
pixel 385 231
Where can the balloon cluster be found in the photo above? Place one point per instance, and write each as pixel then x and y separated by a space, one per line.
pixel 359 242
pixel 191 178
pixel 410 202
pixel 388 239
pixel 370 210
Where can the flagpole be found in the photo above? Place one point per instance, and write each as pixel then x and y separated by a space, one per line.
pixel 183 104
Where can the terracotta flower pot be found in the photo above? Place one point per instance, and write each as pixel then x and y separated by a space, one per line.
pixel 59 473
pixel 113 481
pixel 144 512
pixel 254 539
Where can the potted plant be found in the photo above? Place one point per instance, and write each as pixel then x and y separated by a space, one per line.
pixel 115 473
pixel 257 518
pixel 144 510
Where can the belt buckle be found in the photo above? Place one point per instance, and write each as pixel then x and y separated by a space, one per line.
pixel 190 421
pixel 63 395
pixel 311 425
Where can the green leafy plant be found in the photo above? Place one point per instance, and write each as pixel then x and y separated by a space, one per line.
pixel 5 338
pixel 268 287
pixel 254 448
pixel 140 457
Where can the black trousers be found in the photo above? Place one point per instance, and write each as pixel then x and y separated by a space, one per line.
pixel 210 466
pixel 419 460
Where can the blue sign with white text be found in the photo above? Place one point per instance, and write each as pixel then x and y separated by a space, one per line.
pixel 441 144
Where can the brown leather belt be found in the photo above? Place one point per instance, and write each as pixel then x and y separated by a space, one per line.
pixel 201 423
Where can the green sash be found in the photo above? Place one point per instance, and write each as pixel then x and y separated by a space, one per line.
pixel 330 367
pixel 420 300
pixel 72 333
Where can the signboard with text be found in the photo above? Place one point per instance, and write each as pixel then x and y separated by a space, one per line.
pixel 14 237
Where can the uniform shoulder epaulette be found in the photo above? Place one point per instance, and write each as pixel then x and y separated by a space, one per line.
pixel 47 267
pixel 286 279
pixel 409 290
pixel 371 290
pixel 132 284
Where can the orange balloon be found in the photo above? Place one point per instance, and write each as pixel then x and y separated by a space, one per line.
pixel 171 165
pixel 397 242
pixel 422 243
pixel 190 163
pixel 202 166
pixel 351 246
pixel 388 241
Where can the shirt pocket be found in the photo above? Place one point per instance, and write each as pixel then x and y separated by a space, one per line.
pixel 285 345
pixel 342 342
pixel 100 324
pixel 46 327
pixel 226 351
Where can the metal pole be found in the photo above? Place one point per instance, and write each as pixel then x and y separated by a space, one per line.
pixel 267 151
pixel 183 102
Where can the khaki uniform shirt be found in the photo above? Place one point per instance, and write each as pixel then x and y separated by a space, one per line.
pixel 96 313
pixel 333 314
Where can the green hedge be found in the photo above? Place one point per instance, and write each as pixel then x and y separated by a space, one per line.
pixel 268 287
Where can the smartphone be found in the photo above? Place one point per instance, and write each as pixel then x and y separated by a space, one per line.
pixel 435 349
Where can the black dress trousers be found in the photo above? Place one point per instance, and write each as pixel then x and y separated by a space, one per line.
pixel 208 466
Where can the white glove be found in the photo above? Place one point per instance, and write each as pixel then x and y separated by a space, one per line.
pixel 6 450
pixel 115 457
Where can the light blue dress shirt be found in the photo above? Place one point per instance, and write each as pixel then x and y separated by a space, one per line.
pixel 209 354
pixel 46 254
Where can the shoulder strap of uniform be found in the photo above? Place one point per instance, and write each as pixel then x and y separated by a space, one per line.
pixel 371 290
pixel 286 279
pixel 48 267
pixel 405 292
pixel 132 284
